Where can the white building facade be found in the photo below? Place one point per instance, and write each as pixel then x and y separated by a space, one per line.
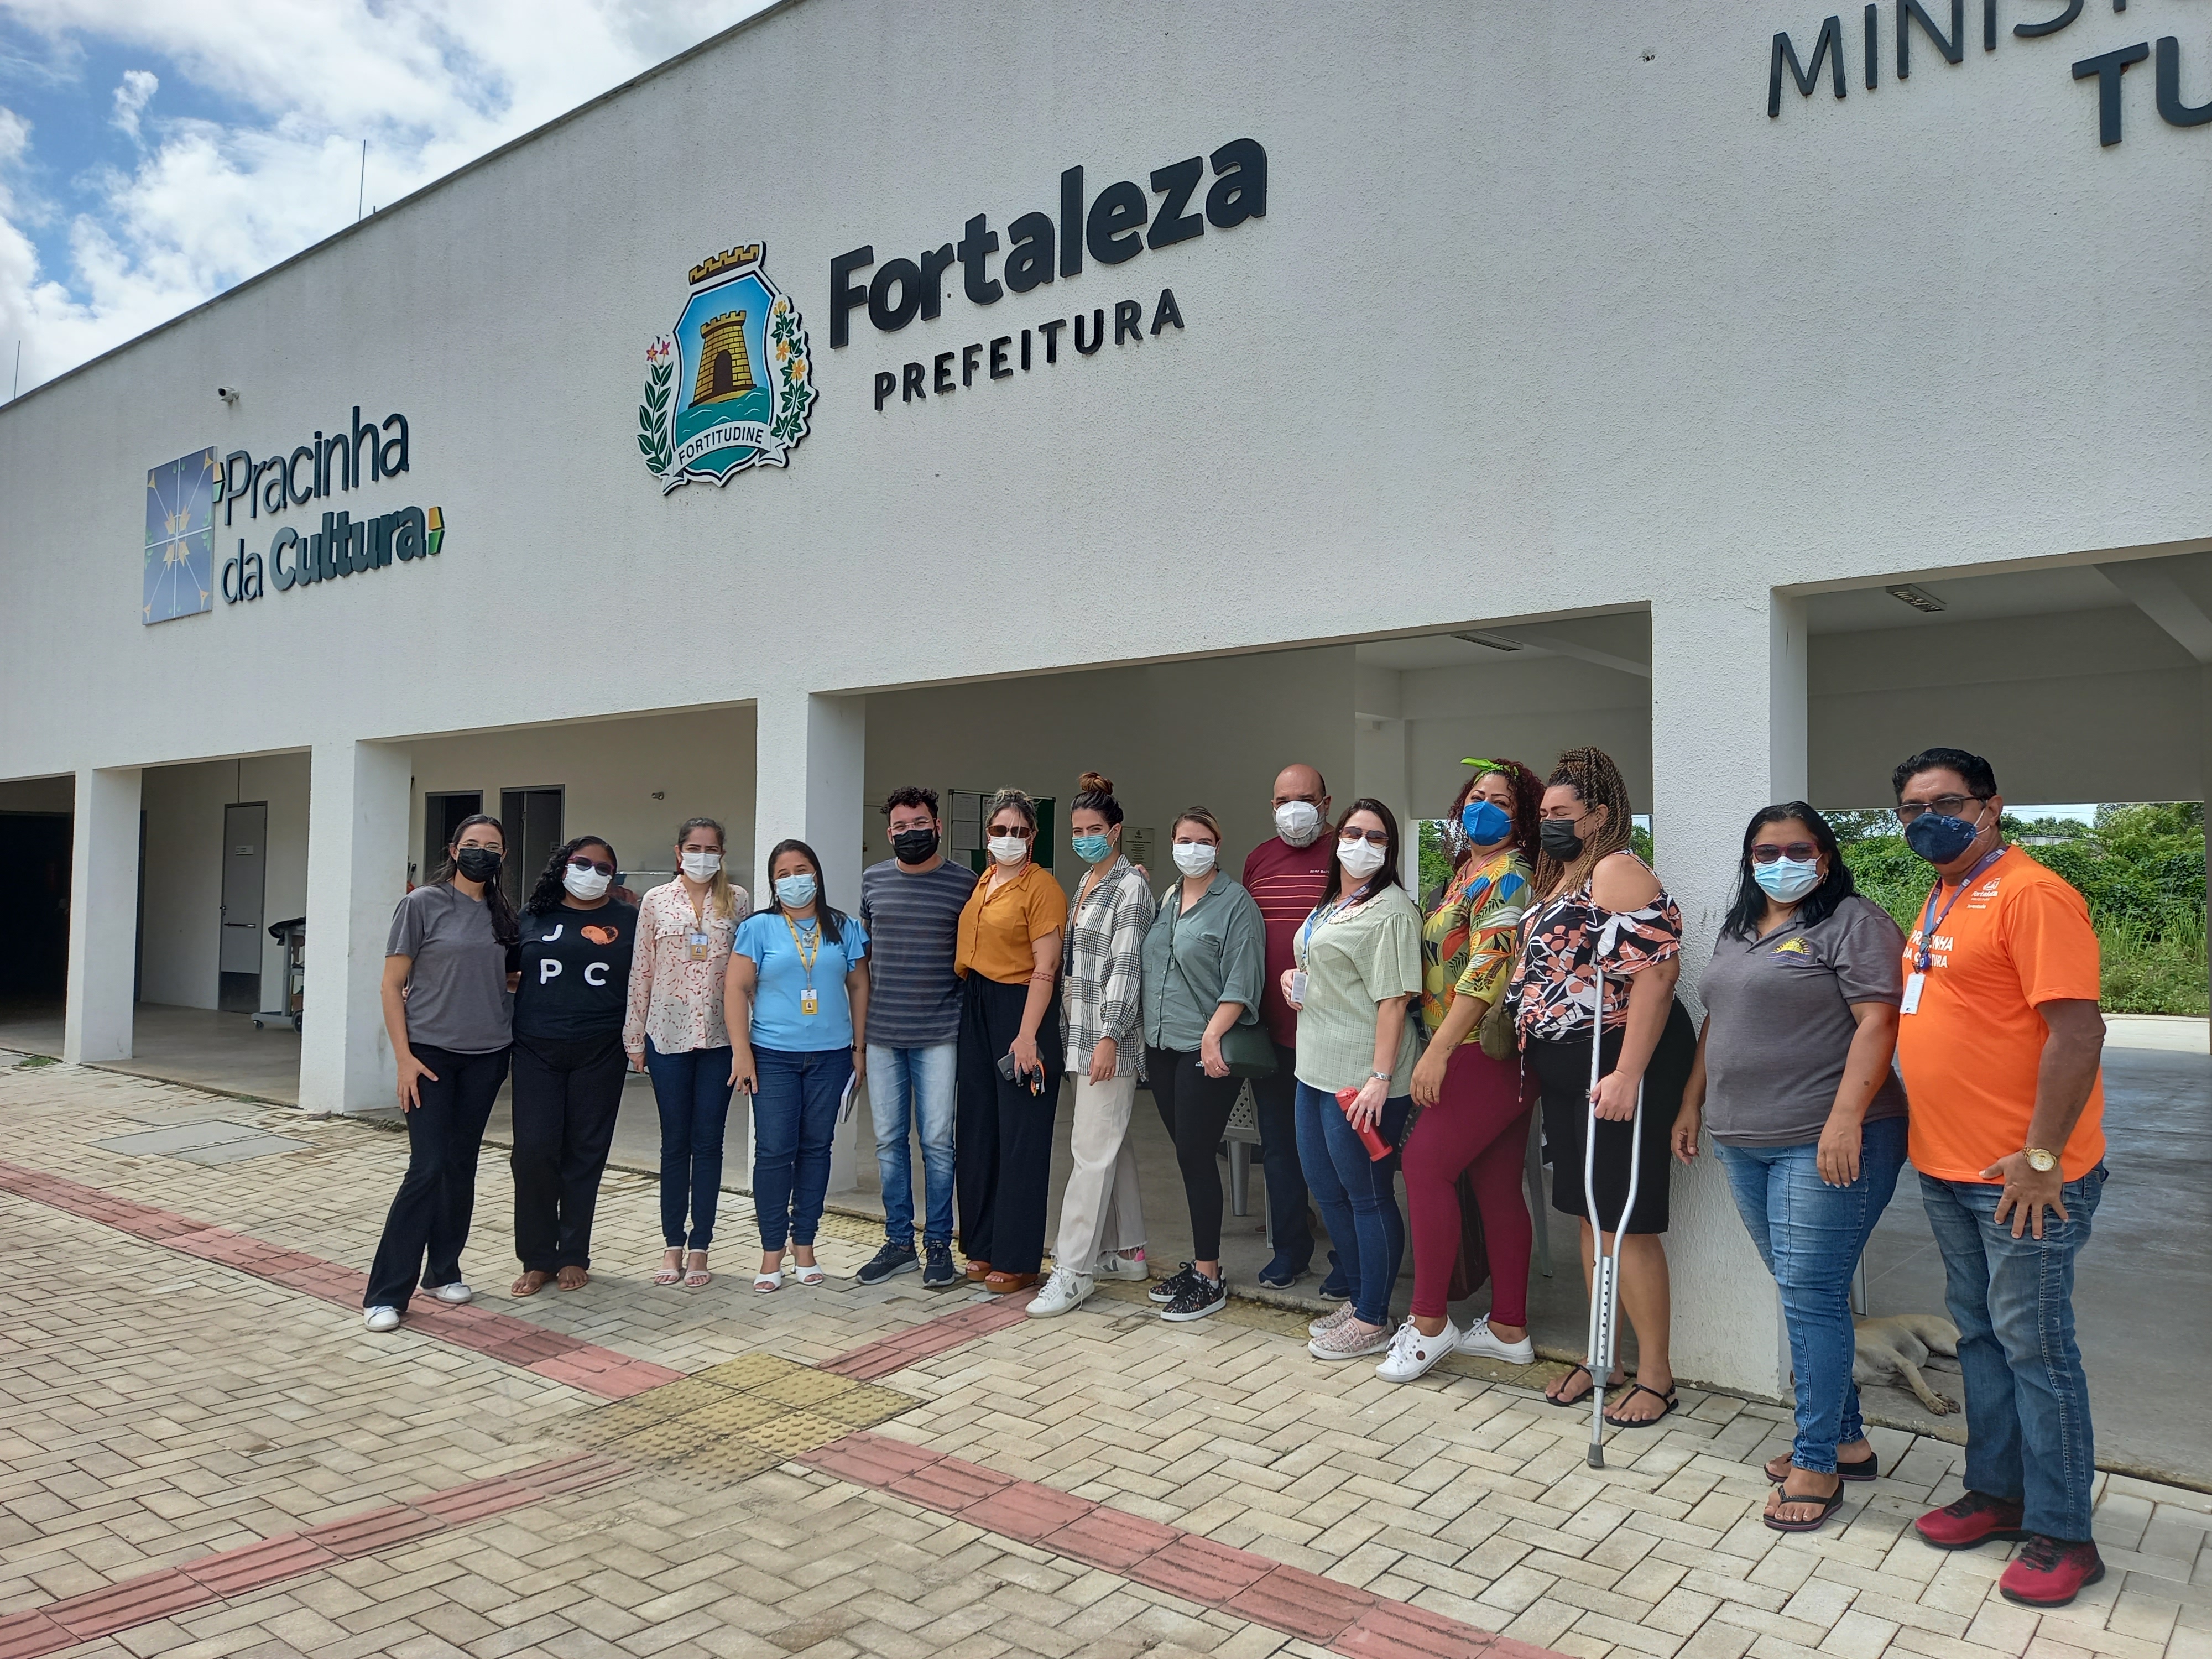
pixel 1244 361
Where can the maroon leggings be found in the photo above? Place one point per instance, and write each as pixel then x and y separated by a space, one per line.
pixel 1480 1123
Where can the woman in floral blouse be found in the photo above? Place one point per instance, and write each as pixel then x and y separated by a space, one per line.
pixel 1600 909
pixel 675 1029
pixel 1475 1119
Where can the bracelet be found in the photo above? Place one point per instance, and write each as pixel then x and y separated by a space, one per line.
pixel 1378 1077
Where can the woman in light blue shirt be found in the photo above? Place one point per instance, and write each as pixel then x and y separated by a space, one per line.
pixel 797 1003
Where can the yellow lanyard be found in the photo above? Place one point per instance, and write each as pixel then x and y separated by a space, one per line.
pixel 808 1002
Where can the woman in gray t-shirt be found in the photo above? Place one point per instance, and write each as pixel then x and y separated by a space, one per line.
pixel 1794 1078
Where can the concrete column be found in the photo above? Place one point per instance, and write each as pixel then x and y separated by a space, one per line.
pixel 1728 736
pixel 1380 771
pixel 812 751
pixel 103 937
pixel 357 802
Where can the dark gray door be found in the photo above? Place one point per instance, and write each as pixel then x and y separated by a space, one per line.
pixel 532 817
pixel 245 881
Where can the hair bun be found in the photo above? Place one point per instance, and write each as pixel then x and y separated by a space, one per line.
pixel 1094 783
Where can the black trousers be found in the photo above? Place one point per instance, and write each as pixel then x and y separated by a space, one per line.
pixel 428 1225
pixel 1002 1132
pixel 1195 1108
pixel 1564 1070
pixel 1288 1217
pixel 567 1096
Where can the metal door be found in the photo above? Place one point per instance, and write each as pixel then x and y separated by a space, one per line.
pixel 532 817
pixel 245 871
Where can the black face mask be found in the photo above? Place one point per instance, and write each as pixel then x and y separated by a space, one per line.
pixel 477 863
pixel 915 846
pixel 1558 837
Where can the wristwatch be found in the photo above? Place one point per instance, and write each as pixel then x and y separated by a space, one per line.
pixel 2041 1161
pixel 1378 1077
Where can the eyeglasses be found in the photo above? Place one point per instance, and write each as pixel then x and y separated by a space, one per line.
pixel 1372 837
pixel 592 863
pixel 1949 805
pixel 1797 851
pixel 1020 831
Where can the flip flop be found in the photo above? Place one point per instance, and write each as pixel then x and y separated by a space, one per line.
pixel 1867 1468
pixel 1828 1507
pixel 1668 1401
pixel 1582 1399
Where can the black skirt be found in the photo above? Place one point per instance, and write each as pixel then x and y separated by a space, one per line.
pixel 1563 1070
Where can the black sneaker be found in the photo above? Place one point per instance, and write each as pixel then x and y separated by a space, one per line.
pixel 938 1273
pixel 1336 1287
pixel 1200 1297
pixel 1280 1274
pixel 1168 1289
pixel 891 1259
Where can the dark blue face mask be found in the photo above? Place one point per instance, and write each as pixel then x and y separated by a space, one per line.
pixel 1484 823
pixel 1938 839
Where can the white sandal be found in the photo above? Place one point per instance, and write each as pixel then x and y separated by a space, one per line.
pixel 809 1272
pixel 766 1283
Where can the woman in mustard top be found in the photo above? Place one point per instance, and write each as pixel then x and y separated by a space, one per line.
pixel 1008 959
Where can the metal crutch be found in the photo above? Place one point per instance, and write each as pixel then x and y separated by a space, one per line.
pixel 1605 1268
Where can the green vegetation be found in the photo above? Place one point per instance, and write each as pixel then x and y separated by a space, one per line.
pixel 2142 868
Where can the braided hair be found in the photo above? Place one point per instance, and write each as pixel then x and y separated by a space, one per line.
pixel 551 889
pixel 1590 773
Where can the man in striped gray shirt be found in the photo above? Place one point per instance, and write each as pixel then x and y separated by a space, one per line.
pixel 910 905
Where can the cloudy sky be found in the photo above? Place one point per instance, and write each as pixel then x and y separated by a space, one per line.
pixel 154 153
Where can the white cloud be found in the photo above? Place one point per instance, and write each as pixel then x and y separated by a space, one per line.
pixel 205 204
pixel 131 96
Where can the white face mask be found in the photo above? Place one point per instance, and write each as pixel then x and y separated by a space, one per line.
pixel 1008 849
pixel 584 883
pixel 701 867
pixel 1360 859
pixel 1195 858
pixel 1298 822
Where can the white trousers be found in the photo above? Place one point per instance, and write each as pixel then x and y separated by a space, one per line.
pixel 1100 1210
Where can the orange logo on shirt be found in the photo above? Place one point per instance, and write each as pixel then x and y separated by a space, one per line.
pixel 1796 947
pixel 600 935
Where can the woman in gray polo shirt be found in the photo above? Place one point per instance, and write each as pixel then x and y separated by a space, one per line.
pixel 1793 1077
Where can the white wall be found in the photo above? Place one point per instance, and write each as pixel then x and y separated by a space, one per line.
pixel 183 807
pixel 700 761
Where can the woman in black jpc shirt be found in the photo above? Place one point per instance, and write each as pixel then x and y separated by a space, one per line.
pixel 568 1061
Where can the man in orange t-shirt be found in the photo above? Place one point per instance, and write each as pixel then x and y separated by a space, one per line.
pixel 1999 1040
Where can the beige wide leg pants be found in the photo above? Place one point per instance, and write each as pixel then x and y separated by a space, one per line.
pixel 1100 1210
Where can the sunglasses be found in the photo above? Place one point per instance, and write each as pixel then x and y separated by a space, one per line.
pixel 604 869
pixel 1797 851
pixel 1372 837
pixel 1020 831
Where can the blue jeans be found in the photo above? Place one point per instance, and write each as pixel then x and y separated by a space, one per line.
pixel 1356 1196
pixel 692 1089
pixel 794 1120
pixel 913 1089
pixel 2028 1439
pixel 1810 1234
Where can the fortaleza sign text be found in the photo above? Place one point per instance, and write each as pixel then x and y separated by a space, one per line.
pixel 1116 225
pixel 1926 20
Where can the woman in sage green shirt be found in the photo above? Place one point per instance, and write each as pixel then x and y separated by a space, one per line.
pixel 1204 961
pixel 1358 969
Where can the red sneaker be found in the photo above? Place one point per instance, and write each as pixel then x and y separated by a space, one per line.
pixel 2050 1572
pixel 1974 1519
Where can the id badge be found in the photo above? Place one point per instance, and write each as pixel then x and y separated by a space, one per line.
pixel 1911 1003
pixel 701 947
pixel 808 1002
pixel 1298 987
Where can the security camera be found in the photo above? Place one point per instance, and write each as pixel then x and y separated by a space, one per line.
pixel 228 393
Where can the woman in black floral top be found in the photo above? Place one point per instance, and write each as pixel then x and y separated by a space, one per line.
pixel 1600 907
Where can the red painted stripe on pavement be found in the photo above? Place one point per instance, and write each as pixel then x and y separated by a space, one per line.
pixel 500 1336
pixel 167 1592
pixel 1344 1617
pixel 926 1340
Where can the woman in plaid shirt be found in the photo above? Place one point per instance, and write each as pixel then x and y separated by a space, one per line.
pixel 1102 1223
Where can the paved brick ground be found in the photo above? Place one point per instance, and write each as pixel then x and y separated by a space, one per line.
pixel 978 1484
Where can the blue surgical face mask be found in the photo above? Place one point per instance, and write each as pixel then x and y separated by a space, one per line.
pixel 1938 839
pixel 1785 880
pixel 1485 821
pixel 1094 849
pixel 796 891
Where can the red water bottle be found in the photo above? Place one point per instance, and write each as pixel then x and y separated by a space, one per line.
pixel 1377 1148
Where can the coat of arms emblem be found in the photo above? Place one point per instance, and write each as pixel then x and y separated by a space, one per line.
pixel 729 387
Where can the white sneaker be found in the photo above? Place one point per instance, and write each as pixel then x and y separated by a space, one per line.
pixel 1113 1265
pixel 1330 1321
pixel 1477 1338
pixel 1412 1353
pixel 381 1318
pixel 454 1294
pixel 1350 1340
pixel 1063 1290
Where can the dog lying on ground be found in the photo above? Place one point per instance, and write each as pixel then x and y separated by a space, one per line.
pixel 1896 1347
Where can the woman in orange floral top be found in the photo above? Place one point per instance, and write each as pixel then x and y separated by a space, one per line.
pixel 1475 1123
pixel 1600 909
